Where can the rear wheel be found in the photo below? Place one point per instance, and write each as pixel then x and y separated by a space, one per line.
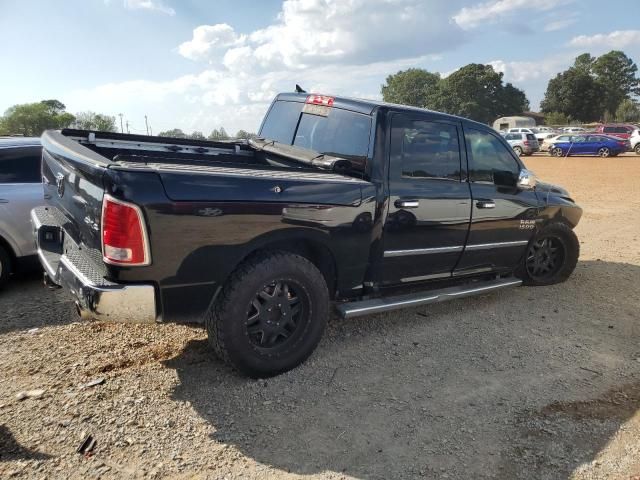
pixel 637 149
pixel 604 152
pixel 270 315
pixel 551 256
pixel 5 267
pixel 518 151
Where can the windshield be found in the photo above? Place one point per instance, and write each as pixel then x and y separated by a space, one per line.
pixel 337 132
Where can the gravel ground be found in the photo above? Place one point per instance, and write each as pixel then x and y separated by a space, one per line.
pixel 528 383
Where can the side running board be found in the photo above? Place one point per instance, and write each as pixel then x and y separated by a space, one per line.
pixel 386 304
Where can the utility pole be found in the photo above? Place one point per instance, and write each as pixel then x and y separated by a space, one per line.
pixel 128 127
pixel 146 122
pixel 121 128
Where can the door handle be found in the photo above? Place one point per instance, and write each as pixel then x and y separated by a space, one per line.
pixel 406 203
pixel 486 204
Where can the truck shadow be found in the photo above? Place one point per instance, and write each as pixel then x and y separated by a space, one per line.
pixel 524 383
pixel 10 449
pixel 21 304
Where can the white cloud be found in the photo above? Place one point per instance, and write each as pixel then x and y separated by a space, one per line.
pixel 309 33
pixel 563 23
pixel 342 47
pixel 494 11
pixel 616 39
pixel 154 5
pixel 526 71
pixel 208 40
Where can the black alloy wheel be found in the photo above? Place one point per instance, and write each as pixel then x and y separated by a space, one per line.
pixel 277 314
pixel 545 258
pixel 270 314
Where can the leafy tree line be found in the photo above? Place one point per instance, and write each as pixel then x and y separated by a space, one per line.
pixel 601 88
pixel 593 89
pixel 216 134
pixel 475 91
pixel 31 119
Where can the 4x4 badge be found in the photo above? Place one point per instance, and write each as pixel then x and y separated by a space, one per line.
pixel 60 184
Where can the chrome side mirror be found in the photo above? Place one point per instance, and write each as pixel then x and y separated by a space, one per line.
pixel 526 180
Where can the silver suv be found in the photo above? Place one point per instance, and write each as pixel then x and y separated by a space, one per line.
pixel 20 191
pixel 522 143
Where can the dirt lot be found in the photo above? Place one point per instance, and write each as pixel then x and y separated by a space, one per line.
pixel 536 383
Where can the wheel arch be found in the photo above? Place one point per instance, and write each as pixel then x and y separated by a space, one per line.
pixel 311 245
pixel 4 243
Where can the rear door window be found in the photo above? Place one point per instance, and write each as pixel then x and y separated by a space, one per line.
pixel 20 165
pixel 531 136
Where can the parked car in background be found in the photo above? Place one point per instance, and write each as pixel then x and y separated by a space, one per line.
pixel 634 141
pixel 521 130
pixel 20 191
pixel 600 145
pixel 573 129
pixel 620 130
pixel 522 143
pixel 547 142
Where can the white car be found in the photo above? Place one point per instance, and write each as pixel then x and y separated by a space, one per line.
pixel 547 142
pixel 20 191
pixel 573 129
pixel 634 140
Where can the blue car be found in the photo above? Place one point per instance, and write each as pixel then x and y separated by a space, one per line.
pixel 589 144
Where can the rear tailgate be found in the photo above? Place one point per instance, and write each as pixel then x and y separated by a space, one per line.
pixel 72 178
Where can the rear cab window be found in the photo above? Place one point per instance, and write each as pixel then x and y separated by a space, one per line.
pixel 328 130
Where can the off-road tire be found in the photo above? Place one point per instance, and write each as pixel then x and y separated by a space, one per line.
pixel 227 320
pixel 5 267
pixel 565 236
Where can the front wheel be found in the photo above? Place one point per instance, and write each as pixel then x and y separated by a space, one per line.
pixel 557 152
pixel 637 149
pixel 270 315
pixel 604 152
pixel 551 256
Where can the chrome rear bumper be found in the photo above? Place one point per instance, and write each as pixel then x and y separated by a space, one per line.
pixel 95 297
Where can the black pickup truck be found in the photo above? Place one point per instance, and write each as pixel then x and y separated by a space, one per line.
pixel 359 204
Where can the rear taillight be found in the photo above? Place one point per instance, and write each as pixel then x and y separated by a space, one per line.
pixel 526 143
pixel 320 100
pixel 124 236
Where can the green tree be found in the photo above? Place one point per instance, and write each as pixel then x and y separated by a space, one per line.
pixel 410 87
pixel 476 91
pixel 617 74
pixel 628 111
pixel 244 135
pixel 31 119
pixel 95 121
pixel 219 134
pixel 576 94
pixel 556 119
pixel 174 133
pixel 197 136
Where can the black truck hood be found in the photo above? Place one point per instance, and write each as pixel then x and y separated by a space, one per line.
pixel 546 188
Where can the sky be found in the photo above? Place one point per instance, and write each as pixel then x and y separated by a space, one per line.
pixel 203 64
